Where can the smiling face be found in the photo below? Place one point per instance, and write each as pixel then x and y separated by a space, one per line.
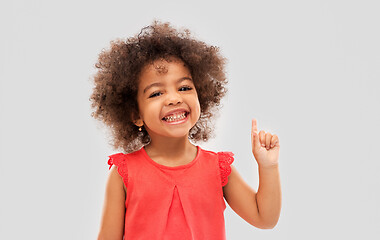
pixel 167 100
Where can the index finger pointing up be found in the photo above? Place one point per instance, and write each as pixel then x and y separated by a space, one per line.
pixel 254 126
pixel 254 136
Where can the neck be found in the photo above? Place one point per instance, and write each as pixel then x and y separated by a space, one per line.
pixel 170 148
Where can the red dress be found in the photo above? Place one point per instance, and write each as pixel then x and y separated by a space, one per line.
pixel 182 202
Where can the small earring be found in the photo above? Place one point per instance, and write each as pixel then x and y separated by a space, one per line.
pixel 140 129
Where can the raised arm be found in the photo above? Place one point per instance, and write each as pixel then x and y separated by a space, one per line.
pixel 112 222
pixel 261 209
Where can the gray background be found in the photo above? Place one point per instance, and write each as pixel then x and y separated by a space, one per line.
pixel 307 70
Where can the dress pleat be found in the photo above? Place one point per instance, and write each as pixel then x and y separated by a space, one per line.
pixel 177 220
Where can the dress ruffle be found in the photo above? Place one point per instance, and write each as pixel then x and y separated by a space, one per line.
pixel 118 160
pixel 225 161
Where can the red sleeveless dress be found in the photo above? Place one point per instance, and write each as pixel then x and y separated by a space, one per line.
pixel 169 203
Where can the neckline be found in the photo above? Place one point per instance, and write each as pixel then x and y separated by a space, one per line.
pixel 169 167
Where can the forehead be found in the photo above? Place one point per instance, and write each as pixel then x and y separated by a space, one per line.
pixel 162 69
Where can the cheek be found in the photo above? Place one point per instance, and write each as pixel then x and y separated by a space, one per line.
pixel 197 107
pixel 144 109
pixel 149 111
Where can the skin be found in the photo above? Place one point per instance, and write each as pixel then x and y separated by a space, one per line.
pixel 170 146
pixel 169 143
pixel 261 209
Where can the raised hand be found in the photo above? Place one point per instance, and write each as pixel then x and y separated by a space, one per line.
pixel 265 147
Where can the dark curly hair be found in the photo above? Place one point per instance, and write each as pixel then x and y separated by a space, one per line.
pixel 114 97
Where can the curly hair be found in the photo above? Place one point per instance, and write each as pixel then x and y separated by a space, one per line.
pixel 114 97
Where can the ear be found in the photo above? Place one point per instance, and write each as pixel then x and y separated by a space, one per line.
pixel 136 119
pixel 139 122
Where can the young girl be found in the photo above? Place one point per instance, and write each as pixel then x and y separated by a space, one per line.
pixel 157 91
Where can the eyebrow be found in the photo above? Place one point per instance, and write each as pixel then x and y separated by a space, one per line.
pixel 160 84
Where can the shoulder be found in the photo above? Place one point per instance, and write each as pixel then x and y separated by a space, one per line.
pixel 223 160
pixel 121 158
pixel 207 152
pixel 220 154
pixel 119 163
pixel 223 157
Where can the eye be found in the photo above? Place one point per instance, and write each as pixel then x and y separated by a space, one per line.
pixel 155 94
pixel 185 88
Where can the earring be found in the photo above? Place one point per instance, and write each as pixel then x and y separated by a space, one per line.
pixel 140 129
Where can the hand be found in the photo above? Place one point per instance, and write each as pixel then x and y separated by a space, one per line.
pixel 265 147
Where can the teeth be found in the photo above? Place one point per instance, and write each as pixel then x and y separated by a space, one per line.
pixel 175 117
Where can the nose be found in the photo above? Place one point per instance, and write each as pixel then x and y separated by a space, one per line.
pixel 173 98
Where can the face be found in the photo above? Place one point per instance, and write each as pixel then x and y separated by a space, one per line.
pixel 167 100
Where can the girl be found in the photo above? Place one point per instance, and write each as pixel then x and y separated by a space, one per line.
pixel 157 91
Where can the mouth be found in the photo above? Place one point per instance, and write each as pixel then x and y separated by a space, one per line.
pixel 176 117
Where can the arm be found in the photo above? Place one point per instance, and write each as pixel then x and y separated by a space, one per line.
pixel 269 195
pixel 261 209
pixel 112 222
